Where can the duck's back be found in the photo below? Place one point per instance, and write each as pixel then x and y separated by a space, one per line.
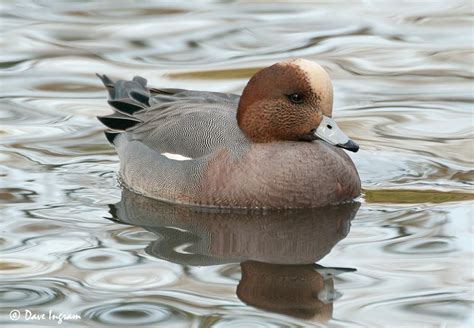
pixel 184 122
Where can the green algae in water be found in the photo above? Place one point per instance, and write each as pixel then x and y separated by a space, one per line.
pixel 402 196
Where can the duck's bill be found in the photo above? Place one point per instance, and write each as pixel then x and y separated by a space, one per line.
pixel 330 132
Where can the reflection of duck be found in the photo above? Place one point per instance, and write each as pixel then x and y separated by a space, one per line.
pixel 272 147
pixel 303 291
pixel 276 249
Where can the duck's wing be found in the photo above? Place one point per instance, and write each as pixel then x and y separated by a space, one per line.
pixel 189 123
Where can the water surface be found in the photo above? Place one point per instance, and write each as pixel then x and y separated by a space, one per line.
pixel 72 243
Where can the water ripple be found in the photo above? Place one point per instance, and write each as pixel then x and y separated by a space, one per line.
pixel 134 313
pixel 131 279
pixel 27 294
pixel 100 258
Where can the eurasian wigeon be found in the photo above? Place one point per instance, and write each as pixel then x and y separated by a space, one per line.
pixel 276 146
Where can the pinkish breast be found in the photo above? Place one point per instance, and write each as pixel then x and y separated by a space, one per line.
pixel 280 175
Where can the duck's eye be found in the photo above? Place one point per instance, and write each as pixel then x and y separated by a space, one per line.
pixel 296 98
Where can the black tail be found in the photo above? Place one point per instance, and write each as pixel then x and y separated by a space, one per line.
pixel 126 99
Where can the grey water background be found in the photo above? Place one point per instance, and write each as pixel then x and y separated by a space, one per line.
pixel 402 74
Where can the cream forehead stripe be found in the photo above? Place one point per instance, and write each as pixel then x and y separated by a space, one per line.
pixel 318 78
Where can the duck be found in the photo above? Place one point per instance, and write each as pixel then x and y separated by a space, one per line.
pixel 275 146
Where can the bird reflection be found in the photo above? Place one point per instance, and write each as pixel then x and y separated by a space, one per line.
pixel 277 250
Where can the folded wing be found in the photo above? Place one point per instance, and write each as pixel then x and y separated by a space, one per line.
pixel 189 123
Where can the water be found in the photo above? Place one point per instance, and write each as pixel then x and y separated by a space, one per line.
pixel 402 76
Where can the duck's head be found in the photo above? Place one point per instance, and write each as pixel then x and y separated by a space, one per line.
pixel 290 100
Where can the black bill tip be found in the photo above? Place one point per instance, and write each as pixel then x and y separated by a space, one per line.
pixel 350 145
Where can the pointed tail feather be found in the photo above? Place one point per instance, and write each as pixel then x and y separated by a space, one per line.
pixel 126 98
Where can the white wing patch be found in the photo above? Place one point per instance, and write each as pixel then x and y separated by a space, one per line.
pixel 176 157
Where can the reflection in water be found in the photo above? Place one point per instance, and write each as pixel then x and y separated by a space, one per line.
pixel 302 291
pixel 276 249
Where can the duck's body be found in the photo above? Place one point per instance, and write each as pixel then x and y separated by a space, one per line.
pixel 220 165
